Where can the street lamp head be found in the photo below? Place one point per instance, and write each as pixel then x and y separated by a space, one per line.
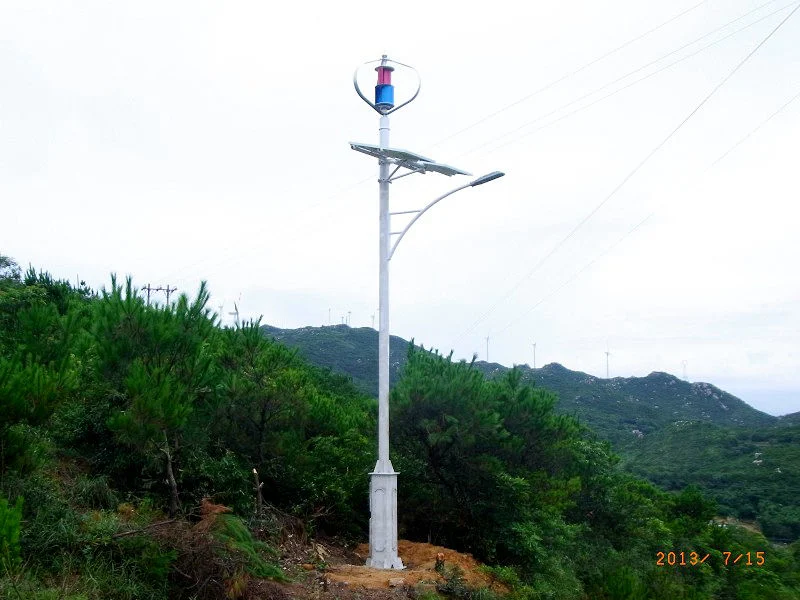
pixel 486 178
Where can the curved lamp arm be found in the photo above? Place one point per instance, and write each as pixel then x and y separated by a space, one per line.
pixel 479 181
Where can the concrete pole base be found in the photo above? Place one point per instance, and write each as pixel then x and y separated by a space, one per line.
pixel 383 521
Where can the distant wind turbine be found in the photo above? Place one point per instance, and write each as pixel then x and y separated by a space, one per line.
pixel 235 312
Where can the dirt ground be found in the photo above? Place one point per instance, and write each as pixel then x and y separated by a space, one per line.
pixel 345 575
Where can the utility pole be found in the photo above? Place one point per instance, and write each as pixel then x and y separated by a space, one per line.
pixel 487 348
pixel 607 355
pixel 534 355
pixel 149 289
pixel 373 320
pixel 169 291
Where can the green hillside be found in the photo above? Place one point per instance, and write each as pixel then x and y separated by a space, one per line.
pixel 617 409
pixel 147 453
pixel 752 473
pixel 625 407
pixel 351 351
pixel 668 430
pixel 790 419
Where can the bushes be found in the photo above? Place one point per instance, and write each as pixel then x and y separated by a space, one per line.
pixel 10 519
pixel 216 558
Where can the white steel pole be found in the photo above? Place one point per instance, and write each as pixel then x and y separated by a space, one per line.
pixel 383 481
pixel 383 295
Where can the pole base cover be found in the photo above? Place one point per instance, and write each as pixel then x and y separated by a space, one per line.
pixel 383 522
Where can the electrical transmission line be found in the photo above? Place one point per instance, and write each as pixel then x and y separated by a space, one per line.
pixel 631 173
pixel 623 77
pixel 568 75
pixel 642 222
pixel 326 201
pixel 759 126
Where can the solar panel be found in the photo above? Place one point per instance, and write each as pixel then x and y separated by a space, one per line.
pixel 409 160
pixel 394 153
pixel 443 169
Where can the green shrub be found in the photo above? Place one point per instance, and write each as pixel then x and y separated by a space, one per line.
pixel 10 520
pixel 238 540
pixel 624 584
pixel 51 524
pixel 94 492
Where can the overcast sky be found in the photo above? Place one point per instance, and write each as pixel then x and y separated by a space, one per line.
pixel 182 141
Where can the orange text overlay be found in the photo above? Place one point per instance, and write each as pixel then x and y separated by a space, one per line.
pixel 692 559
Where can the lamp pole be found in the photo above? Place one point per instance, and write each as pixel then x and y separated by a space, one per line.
pixel 383 479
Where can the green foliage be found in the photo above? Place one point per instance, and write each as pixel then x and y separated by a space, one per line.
pixel 307 432
pixel 237 539
pixel 10 520
pixel 750 473
pixel 104 399
pixel 492 468
pixel 94 492
pixel 52 526
pixel 158 365
pixel 693 433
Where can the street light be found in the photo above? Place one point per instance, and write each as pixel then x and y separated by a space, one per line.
pixel 487 178
pixel 383 479
pixel 479 181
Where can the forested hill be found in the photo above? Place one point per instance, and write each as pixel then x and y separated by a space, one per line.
pixel 790 419
pixel 148 453
pixel 618 409
pixel 672 432
pixel 624 407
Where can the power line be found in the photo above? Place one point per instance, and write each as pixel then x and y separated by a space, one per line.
pixel 642 222
pixel 312 216
pixel 634 171
pixel 628 85
pixel 234 253
pixel 577 274
pixel 541 262
pixel 568 75
pixel 759 126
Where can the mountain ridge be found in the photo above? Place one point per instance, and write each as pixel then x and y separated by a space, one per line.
pixel 618 408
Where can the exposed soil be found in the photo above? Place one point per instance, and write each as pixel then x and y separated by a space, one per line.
pixel 345 576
